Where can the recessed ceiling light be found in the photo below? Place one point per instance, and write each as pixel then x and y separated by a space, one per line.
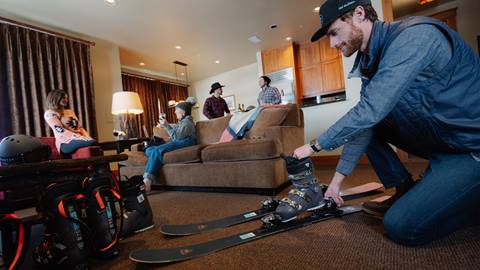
pixel 178 47
pixel 288 38
pixel 183 74
pixel 109 2
pixel 142 64
pixel 317 9
pixel 217 61
pixel 273 26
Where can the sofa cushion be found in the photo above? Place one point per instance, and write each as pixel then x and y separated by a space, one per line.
pixel 268 118
pixel 209 131
pixel 184 155
pixel 240 150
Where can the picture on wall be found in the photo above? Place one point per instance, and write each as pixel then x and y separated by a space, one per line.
pixel 230 100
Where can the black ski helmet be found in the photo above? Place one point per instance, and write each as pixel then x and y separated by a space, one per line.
pixel 21 148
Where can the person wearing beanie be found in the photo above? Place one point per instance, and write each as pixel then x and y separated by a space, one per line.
pixel 181 135
pixel 268 95
pixel 215 106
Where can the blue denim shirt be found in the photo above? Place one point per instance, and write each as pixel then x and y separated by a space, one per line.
pixel 417 54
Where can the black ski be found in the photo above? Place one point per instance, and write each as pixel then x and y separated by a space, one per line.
pixel 169 255
pixel 267 208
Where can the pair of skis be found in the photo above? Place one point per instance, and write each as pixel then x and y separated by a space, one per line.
pixel 168 255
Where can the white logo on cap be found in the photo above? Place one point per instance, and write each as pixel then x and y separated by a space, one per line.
pixel 346 5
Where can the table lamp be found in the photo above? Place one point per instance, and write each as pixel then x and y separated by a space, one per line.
pixel 125 104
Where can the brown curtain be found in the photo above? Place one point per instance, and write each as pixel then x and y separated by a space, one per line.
pixel 31 64
pixel 152 91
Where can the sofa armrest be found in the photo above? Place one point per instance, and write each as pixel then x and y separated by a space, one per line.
pixel 288 138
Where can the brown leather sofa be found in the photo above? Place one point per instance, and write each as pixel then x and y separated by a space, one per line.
pixel 250 165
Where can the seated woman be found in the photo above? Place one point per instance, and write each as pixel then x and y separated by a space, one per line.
pixel 69 134
pixel 181 135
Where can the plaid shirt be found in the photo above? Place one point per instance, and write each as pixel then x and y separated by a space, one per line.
pixel 215 107
pixel 269 95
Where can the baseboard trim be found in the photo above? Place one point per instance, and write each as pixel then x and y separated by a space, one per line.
pixel 259 191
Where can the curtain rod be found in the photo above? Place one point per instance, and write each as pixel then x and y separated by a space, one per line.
pixel 45 31
pixel 152 78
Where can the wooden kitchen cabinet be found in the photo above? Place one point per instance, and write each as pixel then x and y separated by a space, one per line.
pixel 332 75
pixel 277 59
pixel 320 69
pixel 269 61
pixel 327 53
pixel 309 54
pixel 311 80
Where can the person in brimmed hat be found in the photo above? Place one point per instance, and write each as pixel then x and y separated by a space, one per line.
pixel 215 106
pixel 181 135
pixel 420 92
pixel 268 95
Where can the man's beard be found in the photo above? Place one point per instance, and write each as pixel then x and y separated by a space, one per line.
pixel 354 42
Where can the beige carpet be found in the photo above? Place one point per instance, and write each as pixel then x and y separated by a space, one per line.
pixel 352 242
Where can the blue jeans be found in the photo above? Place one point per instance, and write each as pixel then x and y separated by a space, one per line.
pixel 155 155
pixel 443 201
pixel 73 145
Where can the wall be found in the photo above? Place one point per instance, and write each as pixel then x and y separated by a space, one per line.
pixel 107 79
pixel 241 82
pixel 468 20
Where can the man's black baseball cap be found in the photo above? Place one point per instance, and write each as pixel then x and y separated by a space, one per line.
pixel 332 10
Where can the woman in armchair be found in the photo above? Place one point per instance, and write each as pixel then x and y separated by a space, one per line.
pixel 69 133
pixel 181 135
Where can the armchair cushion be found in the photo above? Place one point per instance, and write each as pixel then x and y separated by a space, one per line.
pixel 240 151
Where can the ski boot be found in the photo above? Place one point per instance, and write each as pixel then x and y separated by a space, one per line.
pixel 306 195
pixel 137 215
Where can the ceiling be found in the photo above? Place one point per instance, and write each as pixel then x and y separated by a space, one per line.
pixel 207 30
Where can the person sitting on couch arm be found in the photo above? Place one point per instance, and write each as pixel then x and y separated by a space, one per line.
pixel 181 135
pixel 69 133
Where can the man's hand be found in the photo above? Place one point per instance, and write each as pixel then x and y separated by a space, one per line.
pixel 303 152
pixel 333 190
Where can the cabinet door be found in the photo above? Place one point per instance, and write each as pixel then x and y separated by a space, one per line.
pixel 327 53
pixel 284 57
pixel 332 75
pixel 309 54
pixel 311 78
pixel 269 61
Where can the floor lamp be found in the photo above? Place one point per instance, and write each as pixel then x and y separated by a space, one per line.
pixel 125 104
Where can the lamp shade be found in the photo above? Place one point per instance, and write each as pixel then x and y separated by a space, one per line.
pixel 126 102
